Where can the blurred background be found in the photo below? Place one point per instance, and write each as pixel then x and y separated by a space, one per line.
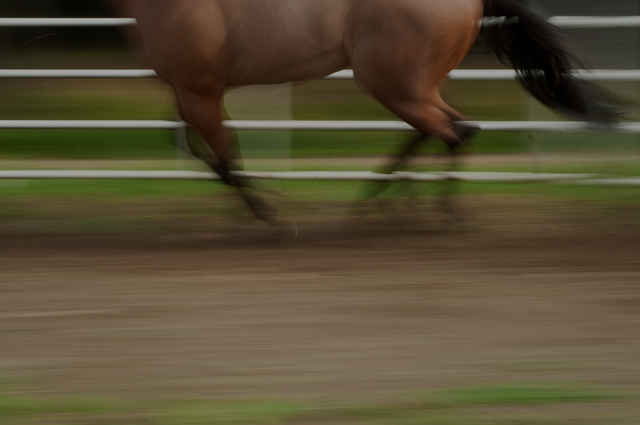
pixel 163 301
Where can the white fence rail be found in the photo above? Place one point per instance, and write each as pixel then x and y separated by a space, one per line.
pixel 458 74
pixel 66 22
pixel 560 21
pixel 292 175
pixel 477 177
pixel 563 126
pixel 498 126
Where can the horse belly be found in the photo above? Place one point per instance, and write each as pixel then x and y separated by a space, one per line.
pixel 283 40
pixel 278 67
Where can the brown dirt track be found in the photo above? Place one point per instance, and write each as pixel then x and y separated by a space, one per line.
pixel 347 313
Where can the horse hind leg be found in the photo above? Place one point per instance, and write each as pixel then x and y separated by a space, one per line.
pixel 436 118
pixel 453 128
pixel 432 118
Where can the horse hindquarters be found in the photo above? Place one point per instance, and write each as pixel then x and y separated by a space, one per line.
pixel 403 50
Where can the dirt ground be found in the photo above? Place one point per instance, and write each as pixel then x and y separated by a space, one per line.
pixel 349 312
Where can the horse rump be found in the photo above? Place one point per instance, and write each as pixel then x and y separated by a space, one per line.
pixel 543 59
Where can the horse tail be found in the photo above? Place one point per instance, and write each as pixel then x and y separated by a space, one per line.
pixel 543 59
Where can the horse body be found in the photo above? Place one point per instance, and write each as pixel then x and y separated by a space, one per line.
pixel 400 51
pixel 248 42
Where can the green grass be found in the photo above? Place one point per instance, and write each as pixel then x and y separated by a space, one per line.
pixel 516 394
pixel 125 189
pixel 450 406
pixel 477 404
pixel 232 413
pixel 58 411
pixel 354 143
pixel 172 191
pixel 102 206
pixel 15 409
pixel 107 190
pixel 86 144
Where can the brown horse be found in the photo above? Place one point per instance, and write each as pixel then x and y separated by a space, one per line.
pixel 399 50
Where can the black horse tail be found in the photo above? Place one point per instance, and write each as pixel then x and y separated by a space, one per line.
pixel 543 59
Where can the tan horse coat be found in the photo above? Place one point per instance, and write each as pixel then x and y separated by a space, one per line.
pixel 400 50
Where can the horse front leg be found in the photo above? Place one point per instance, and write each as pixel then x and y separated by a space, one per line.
pixel 201 108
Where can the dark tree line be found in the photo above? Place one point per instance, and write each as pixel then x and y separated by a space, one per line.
pixel 60 36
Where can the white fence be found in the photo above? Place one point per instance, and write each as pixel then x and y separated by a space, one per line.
pixel 560 21
pixel 458 74
pixel 537 126
pixel 540 126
